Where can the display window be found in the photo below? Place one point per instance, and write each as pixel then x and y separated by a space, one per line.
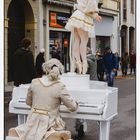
pixel 101 43
pixel 59 47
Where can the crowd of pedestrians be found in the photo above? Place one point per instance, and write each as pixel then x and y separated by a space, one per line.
pixel 109 63
pixel 103 66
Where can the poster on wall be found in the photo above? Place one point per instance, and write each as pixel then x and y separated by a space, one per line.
pixel 58 19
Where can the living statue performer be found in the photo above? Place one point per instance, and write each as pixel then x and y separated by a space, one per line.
pixel 45 96
pixel 82 27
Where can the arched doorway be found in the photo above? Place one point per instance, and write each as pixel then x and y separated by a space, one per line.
pixel 124 46
pixel 131 39
pixel 19 14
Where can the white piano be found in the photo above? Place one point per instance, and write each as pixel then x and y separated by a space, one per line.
pixel 96 101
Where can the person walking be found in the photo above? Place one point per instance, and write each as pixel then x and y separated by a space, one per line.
pixel 82 27
pixel 109 62
pixel 100 67
pixel 56 50
pixel 133 62
pixel 92 64
pixel 23 63
pixel 45 95
pixel 124 63
pixel 118 62
pixel 38 64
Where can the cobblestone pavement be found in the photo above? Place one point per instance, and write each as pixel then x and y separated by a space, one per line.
pixel 122 127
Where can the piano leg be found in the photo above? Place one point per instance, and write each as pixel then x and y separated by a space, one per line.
pixel 21 118
pixel 104 130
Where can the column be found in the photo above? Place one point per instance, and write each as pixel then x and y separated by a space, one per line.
pixel 40 29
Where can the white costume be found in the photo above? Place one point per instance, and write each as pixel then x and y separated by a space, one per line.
pixel 86 11
pixel 45 97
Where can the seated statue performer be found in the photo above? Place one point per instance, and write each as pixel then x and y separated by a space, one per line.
pixel 45 96
pixel 82 27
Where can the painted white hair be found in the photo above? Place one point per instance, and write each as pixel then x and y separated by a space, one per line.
pixel 53 68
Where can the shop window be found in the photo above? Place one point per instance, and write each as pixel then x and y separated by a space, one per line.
pixel 59 47
pixel 132 6
pixel 102 42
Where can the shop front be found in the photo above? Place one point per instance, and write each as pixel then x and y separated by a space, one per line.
pixel 106 34
pixel 59 38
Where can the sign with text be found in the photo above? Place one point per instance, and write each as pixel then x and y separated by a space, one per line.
pixel 57 19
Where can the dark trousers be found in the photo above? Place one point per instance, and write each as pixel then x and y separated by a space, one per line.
pixel 124 70
pixel 110 78
pixel 100 76
pixel 133 68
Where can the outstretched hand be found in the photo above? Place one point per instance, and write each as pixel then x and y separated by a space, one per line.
pixel 98 18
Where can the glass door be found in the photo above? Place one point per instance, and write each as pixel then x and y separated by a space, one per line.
pixel 59 47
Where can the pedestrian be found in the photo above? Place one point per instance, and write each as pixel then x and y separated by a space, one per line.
pixel 109 62
pixel 56 50
pixel 100 67
pixel 81 26
pixel 23 63
pixel 45 96
pixel 39 61
pixel 124 63
pixel 118 62
pixel 133 62
pixel 92 66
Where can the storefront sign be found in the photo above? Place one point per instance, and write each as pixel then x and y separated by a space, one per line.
pixel 57 19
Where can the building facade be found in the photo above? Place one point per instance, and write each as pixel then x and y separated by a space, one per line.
pixel 44 22
pixel 107 31
pixel 127 26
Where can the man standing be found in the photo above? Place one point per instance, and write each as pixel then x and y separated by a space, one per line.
pixel 133 62
pixel 109 62
pixel 100 67
pixel 39 61
pixel 23 64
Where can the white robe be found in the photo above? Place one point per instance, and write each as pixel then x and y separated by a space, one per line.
pixel 45 95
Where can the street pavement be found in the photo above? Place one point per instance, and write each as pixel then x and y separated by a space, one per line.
pixel 123 126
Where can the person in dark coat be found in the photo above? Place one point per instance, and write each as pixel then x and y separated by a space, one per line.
pixel 56 51
pixel 109 62
pixel 118 62
pixel 100 67
pixel 124 63
pixel 39 61
pixel 133 62
pixel 92 64
pixel 23 64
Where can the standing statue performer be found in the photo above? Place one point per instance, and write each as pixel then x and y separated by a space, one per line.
pixel 82 27
pixel 45 96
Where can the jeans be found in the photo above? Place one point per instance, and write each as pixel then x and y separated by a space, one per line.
pixel 110 78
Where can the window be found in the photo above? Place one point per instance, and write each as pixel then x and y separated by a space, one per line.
pixel 132 6
pixel 124 10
